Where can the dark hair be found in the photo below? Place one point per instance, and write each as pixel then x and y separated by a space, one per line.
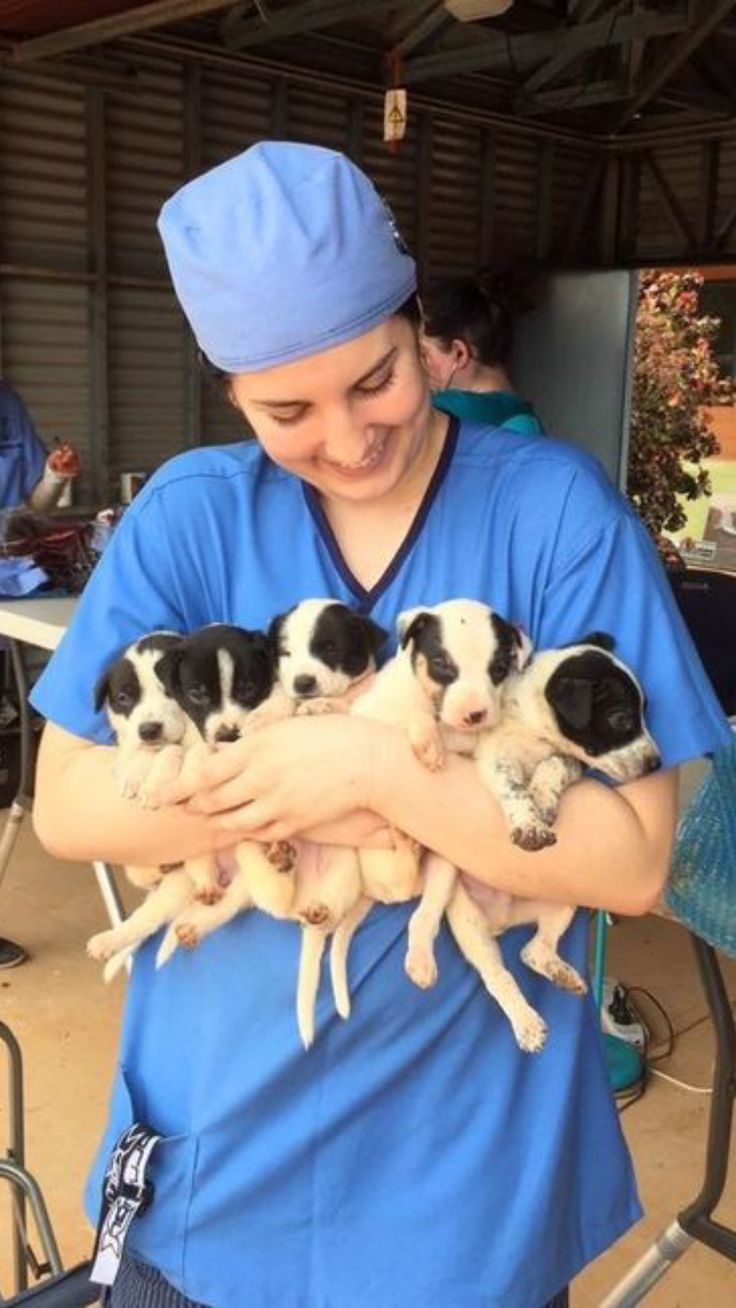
pixel 410 309
pixel 478 310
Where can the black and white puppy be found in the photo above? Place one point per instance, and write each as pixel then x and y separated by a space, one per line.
pixel 574 707
pixel 223 681
pixel 141 710
pixel 324 648
pixel 567 708
pixel 445 689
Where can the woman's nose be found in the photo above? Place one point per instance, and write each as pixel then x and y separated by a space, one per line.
pixel 345 439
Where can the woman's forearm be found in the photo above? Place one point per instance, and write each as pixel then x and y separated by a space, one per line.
pixel 613 846
pixel 80 814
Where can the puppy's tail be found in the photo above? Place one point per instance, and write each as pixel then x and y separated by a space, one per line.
pixel 118 962
pixel 339 947
pixel 310 960
pixel 168 945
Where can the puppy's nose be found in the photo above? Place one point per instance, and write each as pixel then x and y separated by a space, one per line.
pixel 305 684
pixel 150 731
pixel 475 719
pixel 224 735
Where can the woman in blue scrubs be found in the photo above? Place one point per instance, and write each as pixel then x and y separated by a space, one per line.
pixel 467 336
pixel 413 1157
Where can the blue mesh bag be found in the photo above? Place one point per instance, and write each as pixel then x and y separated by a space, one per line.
pixel 702 887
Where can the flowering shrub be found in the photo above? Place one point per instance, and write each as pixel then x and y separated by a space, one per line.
pixel 675 377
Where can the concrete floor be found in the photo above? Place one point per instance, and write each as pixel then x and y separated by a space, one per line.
pixel 67 1023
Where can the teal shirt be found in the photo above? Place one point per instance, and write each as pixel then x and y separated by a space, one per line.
pixel 496 408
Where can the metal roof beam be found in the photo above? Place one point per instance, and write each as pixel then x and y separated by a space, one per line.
pixel 549 70
pixel 157 14
pixel 707 16
pixel 493 54
pixel 562 97
pixel 241 32
pixel 426 29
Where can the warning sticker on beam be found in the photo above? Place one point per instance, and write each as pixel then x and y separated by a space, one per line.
pixel 394 115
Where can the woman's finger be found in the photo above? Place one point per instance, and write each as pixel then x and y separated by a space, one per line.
pixel 247 819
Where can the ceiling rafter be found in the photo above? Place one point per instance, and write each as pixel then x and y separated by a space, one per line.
pixel 493 53
pixel 157 14
pixel 241 31
pixel 551 68
pixel 706 17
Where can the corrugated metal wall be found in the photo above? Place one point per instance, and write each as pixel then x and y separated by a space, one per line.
pixel 89 330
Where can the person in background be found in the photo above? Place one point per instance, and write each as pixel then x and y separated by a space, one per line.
pixel 467 335
pixel 27 474
pixel 31 478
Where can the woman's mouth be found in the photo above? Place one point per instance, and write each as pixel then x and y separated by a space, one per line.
pixel 370 460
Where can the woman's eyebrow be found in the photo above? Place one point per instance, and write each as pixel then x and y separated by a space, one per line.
pixel 386 358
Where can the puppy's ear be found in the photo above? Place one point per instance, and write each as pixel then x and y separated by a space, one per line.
pixel 410 624
pixel 375 635
pixel 513 648
pixel 167 669
pixel 266 646
pixel 572 699
pixel 102 690
pixel 275 628
pixel 602 639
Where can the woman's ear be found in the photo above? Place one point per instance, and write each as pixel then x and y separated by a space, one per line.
pixel 461 353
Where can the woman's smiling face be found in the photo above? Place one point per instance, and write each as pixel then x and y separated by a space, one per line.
pixel 352 421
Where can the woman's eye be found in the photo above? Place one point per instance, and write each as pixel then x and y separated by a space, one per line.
pixel 375 388
pixel 287 419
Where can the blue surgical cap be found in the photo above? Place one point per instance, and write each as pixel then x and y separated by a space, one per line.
pixel 282 252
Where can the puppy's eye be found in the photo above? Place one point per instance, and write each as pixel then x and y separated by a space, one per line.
pixel 328 647
pixel 122 699
pixel 198 695
pixel 244 688
pixel 621 720
pixel 441 668
pixel 284 653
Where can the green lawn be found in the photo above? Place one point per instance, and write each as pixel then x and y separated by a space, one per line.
pixel 723 479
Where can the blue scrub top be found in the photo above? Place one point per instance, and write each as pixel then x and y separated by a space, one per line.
pixel 22 454
pixel 413 1157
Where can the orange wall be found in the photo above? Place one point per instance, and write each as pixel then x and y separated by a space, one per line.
pixel 723 421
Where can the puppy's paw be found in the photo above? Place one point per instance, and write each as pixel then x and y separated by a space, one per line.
pixel 281 855
pixel 421 967
pixel 187 934
pixel 554 968
pixel 209 894
pixel 530 1031
pixel 313 708
pixel 547 806
pixel 533 836
pixel 427 746
pixel 315 914
pixel 102 946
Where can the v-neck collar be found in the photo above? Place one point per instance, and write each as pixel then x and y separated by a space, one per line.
pixel 368 597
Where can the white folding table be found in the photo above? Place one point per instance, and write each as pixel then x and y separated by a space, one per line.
pixel 40 623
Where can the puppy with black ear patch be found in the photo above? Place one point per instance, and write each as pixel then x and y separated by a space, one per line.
pixel 144 716
pixel 572 707
pixel 445 688
pixel 222 678
pixel 326 652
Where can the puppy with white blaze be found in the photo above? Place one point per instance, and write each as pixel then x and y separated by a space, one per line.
pixel 326 653
pixel 219 681
pixel 444 687
pixel 568 708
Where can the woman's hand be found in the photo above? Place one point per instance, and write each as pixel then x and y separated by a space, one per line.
pixel 283 779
